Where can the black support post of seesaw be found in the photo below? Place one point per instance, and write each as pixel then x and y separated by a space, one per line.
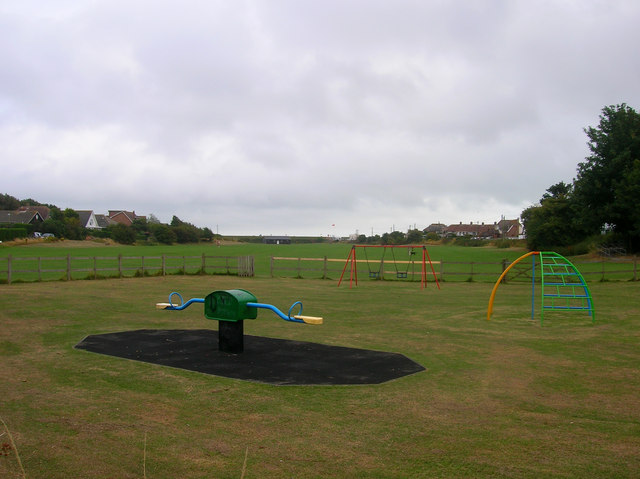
pixel 231 336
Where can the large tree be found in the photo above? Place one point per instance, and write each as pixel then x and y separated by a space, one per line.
pixel 551 223
pixel 607 187
pixel 8 202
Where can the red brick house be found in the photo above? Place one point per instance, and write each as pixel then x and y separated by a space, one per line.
pixel 124 217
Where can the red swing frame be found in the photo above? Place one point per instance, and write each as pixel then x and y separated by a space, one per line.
pixel 353 275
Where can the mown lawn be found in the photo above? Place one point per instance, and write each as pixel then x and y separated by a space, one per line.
pixel 500 398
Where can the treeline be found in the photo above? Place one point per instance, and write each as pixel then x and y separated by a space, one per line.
pixel 66 224
pixel 413 236
pixel 153 232
pixel 600 207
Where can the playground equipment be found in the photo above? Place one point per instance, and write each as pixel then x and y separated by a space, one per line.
pixel 401 267
pixel 230 308
pixel 562 287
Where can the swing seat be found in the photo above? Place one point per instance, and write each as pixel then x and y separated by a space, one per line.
pixel 374 274
pixel 401 275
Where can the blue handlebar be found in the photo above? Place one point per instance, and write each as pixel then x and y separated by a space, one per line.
pixel 182 305
pixel 286 317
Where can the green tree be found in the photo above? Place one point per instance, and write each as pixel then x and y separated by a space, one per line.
pixel 141 227
pixel 415 236
pixel 163 234
pixel 607 187
pixel 206 234
pixel 123 234
pixel 30 202
pixel 394 238
pixel 552 223
pixel 8 202
pixel 186 233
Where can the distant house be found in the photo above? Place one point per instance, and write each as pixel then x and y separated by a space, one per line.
pixel 475 230
pixel 124 217
pixel 104 221
pixel 437 228
pixel 26 217
pixel 276 240
pixel 510 229
pixel 88 219
pixel 44 211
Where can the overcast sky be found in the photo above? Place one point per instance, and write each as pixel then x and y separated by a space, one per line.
pixel 321 117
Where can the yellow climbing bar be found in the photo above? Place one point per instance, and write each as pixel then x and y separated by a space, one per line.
pixel 504 273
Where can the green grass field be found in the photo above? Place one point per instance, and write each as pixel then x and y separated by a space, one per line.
pixel 451 263
pixel 501 398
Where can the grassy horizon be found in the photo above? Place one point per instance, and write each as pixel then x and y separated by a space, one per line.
pixel 451 262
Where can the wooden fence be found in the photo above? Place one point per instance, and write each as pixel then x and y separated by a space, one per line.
pixel 92 267
pixel 329 268
pixel 89 267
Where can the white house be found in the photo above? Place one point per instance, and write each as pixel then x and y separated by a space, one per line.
pixel 88 219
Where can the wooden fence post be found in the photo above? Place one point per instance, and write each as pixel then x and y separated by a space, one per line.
pixel 441 270
pixel 120 265
pixel 271 266
pixel 635 268
pixel 39 268
pixel 204 265
pixel 164 265
pixel 69 267
pixel 9 269
pixel 324 271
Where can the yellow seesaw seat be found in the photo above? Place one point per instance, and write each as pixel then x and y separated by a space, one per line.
pixel 310 319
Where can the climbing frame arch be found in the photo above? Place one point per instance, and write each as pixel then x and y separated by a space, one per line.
pixel 562 286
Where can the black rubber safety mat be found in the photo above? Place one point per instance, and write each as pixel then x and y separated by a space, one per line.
pixel 266 360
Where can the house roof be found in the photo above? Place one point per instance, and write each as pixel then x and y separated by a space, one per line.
pixel 84 216
pixel 19 217
pixel 472 229
pixel 130 215
pixel 104 221
pixel 44 211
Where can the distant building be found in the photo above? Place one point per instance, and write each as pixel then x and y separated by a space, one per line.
pixel 88 219
pixel 23 217
pixel 104 221
pixel 44 211
pixel 437 228
pixel 124 217
pixel 510 229
pixel 474 230
pixel 276 240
